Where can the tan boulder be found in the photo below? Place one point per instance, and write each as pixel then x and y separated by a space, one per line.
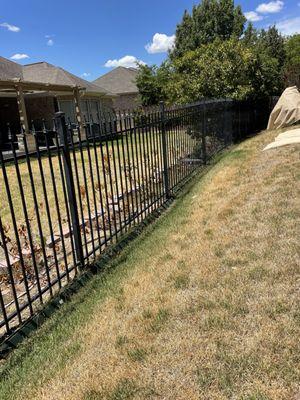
pixel 287 110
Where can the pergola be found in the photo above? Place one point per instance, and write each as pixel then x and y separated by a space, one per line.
pixel 18 88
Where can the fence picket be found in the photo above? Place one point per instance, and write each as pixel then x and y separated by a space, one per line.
pixel 63 135
pixel 81 193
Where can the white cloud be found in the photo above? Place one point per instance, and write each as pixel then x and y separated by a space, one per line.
pixel 253 16
pixel 50 42
pixel 85 75
pixel 19 56
pixel 9 27
pixel 289 26
pixel 271 7
pixel 126 61
pixel 161 43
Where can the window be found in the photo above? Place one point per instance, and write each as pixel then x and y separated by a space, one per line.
pixel 67 106
pixel 90 108
pixel 95 110
pixel 84 105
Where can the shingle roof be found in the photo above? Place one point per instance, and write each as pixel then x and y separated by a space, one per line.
pixel 9 70
pixel 47 73
pixel 120 80
pixel 43 72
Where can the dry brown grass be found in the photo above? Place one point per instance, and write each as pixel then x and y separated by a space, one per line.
pixel 211 310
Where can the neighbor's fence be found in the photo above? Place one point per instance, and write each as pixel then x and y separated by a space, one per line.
pixel 84 188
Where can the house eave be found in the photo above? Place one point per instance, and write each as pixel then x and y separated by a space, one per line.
pixel 125 93
pixel 99 94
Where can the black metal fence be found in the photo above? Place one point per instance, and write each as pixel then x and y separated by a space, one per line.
pixel 85 187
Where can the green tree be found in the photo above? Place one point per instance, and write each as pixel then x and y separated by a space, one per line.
pixel 292 65
pixel 272 43
pixel 214 56
pixel 184 36
pixel 223 69
pixel 292 48
pixel 269 51
pixel 239 21
pixel 265 75
pixel 147 84
pixel 210 20
pixel 153 82
pixel 250 35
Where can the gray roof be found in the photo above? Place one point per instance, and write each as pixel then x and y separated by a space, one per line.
pixel 120 80
pixel 9 70
pixel 47 73
pixel 43 72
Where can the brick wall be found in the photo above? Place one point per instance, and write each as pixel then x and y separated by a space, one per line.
pixel 107 102
pixel 39 108
pixel 126 101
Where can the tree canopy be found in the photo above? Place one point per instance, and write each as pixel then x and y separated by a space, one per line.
pixel 272 43
pixel 292 64
pixel 153 82
pixel 215 55
pixel 210 20
pixel 223 69
pixel 293 49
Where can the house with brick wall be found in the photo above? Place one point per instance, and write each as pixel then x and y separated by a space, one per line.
pixel 121 81
pixel 42 89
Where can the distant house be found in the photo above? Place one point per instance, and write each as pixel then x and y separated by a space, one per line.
pixel 34 92
pixel 121 81
pixel 92 100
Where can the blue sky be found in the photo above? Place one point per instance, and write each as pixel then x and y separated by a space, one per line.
pixel 84 36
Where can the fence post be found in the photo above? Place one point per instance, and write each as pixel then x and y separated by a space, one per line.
pixel 165 150
pixel 60 124
pixel 228 127
pixel 203 136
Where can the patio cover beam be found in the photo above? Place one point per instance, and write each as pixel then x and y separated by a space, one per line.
pixel 31 86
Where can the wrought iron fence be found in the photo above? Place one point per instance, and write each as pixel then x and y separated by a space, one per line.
pixel 86 186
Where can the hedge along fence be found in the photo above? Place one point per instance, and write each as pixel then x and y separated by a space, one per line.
pixel 86 187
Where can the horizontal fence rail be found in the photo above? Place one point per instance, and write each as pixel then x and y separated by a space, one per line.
pixel 86 186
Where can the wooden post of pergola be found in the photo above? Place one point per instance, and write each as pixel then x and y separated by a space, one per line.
pixel 20 88
pixel 25 133
pixel 78 113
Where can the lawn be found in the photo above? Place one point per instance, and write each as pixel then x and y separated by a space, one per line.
pixel 141 153
pixel 113 183
pixel 204 305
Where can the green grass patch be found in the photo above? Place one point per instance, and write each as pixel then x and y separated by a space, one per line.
pixel 124 390
pixel 158 320
pixel 137 355
pixel 181 281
